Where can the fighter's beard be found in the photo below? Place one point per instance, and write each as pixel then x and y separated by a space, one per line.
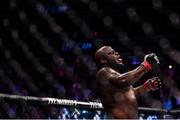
pixel 118 67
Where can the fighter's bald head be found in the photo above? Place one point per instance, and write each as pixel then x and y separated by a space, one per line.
pixel 100 53
pixel 107 56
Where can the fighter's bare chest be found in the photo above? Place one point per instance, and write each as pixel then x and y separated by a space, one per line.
pixel 126 95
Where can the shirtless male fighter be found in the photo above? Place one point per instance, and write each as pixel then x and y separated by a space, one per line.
pixel 118 96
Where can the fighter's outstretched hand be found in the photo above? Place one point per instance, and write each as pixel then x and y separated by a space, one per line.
pixel 152 84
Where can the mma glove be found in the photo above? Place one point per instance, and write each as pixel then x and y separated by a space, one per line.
pixel 151 63
pixel 152 84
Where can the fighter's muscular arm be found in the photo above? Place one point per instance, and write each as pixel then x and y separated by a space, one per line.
pixel 139 90
pixel 123 80
pixel 129 78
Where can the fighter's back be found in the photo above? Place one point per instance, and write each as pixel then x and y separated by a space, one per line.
pixel 119 102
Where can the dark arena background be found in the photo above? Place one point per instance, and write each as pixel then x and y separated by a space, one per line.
pixel 47 50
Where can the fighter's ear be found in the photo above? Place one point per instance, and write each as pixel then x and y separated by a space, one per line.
pixel 103 60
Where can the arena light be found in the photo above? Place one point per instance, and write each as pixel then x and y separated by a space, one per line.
pixel 86 46
pixel 67 46
pixel 93 6
pixel 157 4
pixel 12 3
pixel 107 20
pixel 22 15
pixel 174 18
pixel 5 22
pixel 44 9
pixel 147 28
pixel 134 60
pixel 170 67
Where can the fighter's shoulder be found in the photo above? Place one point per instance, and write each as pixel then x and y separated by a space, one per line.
pixel 104 71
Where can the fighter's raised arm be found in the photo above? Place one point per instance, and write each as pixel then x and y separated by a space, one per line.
pixel 129 78
pixel 122 80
